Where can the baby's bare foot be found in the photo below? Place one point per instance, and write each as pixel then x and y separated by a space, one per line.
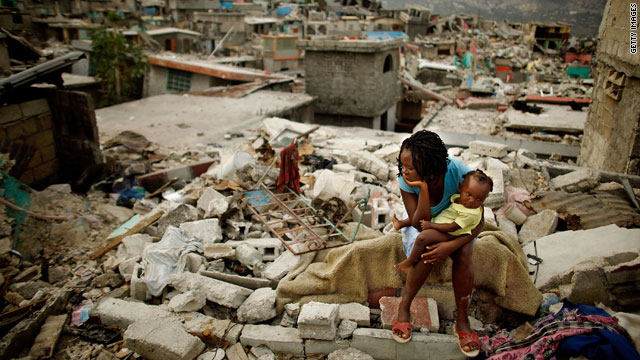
pixel 396 222
pixel 404 266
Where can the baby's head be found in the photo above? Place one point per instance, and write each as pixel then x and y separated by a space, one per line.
pixel 474 189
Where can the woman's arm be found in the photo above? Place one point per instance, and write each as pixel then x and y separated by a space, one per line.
pixel 418 207
pixel 438 252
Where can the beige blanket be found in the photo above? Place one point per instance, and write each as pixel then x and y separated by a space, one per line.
pixel 348 273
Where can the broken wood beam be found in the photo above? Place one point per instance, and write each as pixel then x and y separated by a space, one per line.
pixel 118 239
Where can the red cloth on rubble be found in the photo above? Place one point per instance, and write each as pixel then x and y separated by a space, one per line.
pixel 289 172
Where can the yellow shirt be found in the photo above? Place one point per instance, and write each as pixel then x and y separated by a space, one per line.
pixel 468 219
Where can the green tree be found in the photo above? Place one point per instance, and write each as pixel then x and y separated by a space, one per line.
pixel 119 63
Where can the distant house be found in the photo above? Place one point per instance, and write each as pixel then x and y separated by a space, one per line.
pixel 280 52
pixel 177 40
pixel 416 20
pixel 184 10
pixel 167 73
pixel 355 81
pixel 547 35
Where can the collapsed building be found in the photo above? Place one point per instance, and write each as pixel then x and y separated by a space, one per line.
pixel 163 214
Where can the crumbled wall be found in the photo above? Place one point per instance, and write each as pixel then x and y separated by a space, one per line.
pixel 31 123
pixel 612 133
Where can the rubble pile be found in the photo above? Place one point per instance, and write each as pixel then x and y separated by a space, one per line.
pixel 204 268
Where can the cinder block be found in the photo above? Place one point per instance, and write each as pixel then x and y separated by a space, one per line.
pixel 9 114
pixel 318 321
pixel 41 139
pixel 162 339
pixel 281 266
pixel 356 312
pixel 270 248
pixel 138 288
pixel 45 170
pixel 276 338
pixel 486 148
pixel 424 312
pixel 380 213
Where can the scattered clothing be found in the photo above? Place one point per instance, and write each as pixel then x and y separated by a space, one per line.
pixel 573 331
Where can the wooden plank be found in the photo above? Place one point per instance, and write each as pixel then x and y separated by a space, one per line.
pixel 45 343
pixel 118 239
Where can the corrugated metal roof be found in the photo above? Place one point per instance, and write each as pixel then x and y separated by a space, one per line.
pixel 588 211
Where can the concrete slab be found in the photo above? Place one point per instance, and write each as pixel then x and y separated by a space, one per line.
pixel 563 250
pixel 276 338
pixel 380 344
pixel 157 117
pixel 162 339
pixel 557 118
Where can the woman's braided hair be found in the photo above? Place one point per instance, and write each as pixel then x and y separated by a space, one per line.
pixel 428 152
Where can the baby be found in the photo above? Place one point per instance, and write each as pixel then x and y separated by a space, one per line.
pixel 462 216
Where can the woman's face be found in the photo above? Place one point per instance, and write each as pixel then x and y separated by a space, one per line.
pixel 409 172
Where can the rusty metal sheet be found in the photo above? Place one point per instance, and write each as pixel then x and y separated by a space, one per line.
pixel 588 211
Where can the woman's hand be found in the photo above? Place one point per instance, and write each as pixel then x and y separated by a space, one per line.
pixel 438 252
pixel 418 183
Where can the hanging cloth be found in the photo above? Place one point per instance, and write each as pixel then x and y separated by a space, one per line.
pixel 289 172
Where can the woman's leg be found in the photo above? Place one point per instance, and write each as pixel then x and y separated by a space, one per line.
pixel 415 279
pixel 462 278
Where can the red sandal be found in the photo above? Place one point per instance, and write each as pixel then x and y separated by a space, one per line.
pixel 464 339
pixel 404 328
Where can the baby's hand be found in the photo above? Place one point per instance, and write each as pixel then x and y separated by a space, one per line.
pixel 425 224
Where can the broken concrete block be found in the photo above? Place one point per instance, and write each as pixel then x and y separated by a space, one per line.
pixel 537 226
pixel 216 291
pixel 259 306
pixel 588 284
pixel 559 250
pixel 424 312
pixel 276 338
pixel 269 248
pixel 313 346
pixel 162 339
pixel 486 148
pixel 243 281
pixel 215 354
pixel 507 226
pixel 346 329
pixel 380 213
pixel 370 163
pixel 138 287
pixel 236 352
pixel 526 158
pixel 187 302
pixel 356 312
pixel 133 245
pixel 349 354
pixel 180 214
pixel 344 168
pixel 219 251
pixel 388 153
pixel 495 164
pixel 318 321
pixel 281 266
pixel 513 213
pixel 262 353
pixel 293 310
pixel 249 256
pixel 193 262
pixel 212 203
pixel 45 343
pixel 125 268
pixel 237 229
pixel 207 230
pixel 496 197
pixel 489 217
pixel 579 180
